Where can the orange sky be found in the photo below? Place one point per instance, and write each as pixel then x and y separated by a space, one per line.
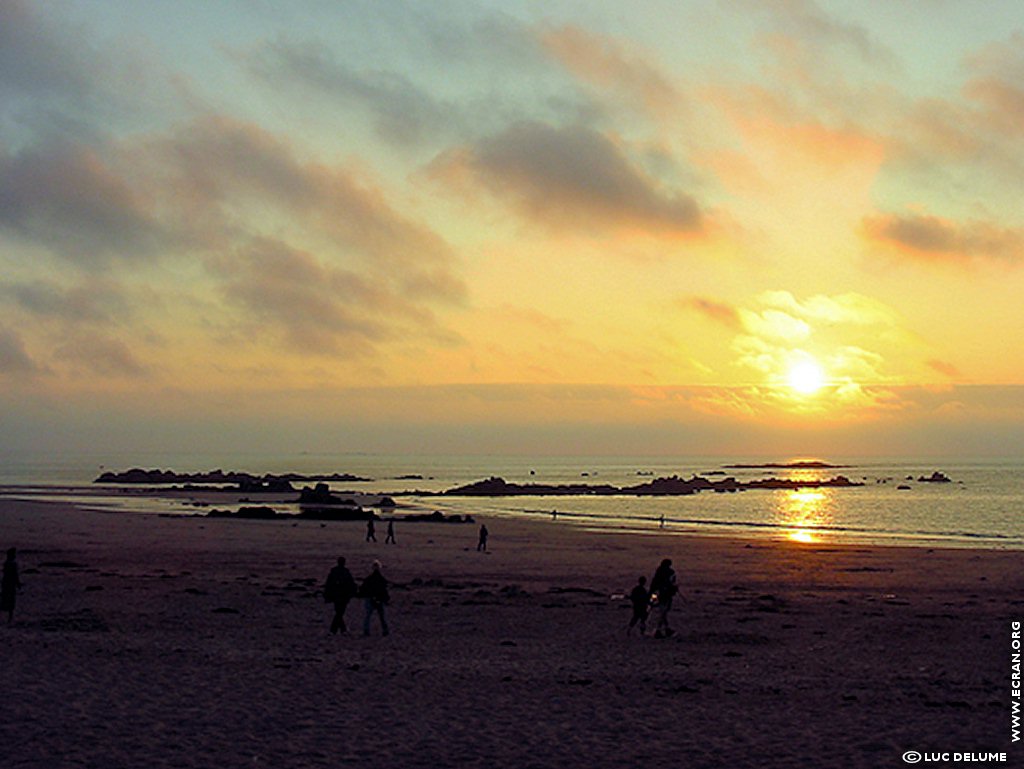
pixel 739 227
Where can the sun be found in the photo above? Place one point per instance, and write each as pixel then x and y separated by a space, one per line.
pixel 806 377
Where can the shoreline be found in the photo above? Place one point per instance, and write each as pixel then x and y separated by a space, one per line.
pixel 200 501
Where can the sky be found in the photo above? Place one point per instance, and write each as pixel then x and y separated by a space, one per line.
pixel 750 227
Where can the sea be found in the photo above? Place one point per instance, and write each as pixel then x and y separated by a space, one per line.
pixel 981 507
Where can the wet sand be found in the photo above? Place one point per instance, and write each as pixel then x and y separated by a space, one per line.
pixel 147 641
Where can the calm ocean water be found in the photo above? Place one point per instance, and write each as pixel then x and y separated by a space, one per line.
pixel 982 507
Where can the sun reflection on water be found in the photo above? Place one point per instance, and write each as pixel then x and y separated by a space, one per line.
pixel 803 512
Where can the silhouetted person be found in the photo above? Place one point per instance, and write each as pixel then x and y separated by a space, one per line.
pixel 371 530
pixel 641 601
pixel 339 589
pixel 663 588
pixel 391 534
pixel 375 597
pixel 10 584
pixel 482 544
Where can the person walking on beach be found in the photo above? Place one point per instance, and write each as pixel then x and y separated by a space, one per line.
pixel 641 601
pixel 375 597
pixel 482 544
pixel 339 589
pixel 10 584
pixel 663 590
pixel 371 530
pixel 391 534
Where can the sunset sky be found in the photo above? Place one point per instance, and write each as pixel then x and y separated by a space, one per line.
pixel 746 226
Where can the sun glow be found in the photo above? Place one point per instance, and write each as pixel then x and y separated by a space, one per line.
pixel 802 535
pixel 806 377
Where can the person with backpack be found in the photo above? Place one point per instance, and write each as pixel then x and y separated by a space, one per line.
pixel 663 590
pixel 339 589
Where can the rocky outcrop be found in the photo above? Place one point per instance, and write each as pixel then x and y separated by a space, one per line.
pixel 670 486
pixel 803 464
pixel 436 517
pixel 321 495
pixel 244 481
pixel 251 513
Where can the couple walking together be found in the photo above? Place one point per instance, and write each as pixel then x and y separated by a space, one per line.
pixel 340 588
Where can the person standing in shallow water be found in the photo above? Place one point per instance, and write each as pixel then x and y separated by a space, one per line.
pixel 663 590
pixel 482 544
pixel 339 589
pixel 10 584
pixel 375 597
pixel 371 530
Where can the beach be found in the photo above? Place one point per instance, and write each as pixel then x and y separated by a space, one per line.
pixel 182 641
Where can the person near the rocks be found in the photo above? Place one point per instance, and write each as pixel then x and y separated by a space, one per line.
pixel 339 589
pixel 371 530
pixel 482 543
pixel 390 538
pixel 374 591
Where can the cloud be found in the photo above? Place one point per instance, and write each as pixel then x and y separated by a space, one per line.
pixel 945 368
pixel 720 312
pixel 72 200
pixel 775 325
pixel 92 301
pixel 220 165
pixel 45 73
pixel 568 178
pixel 403 112
pixel 805 22
pixel 315 307
pixel 58 83
pixel 932 237
pixel 607 64
pixel 215 192
pixel 14 359
pixel 848 308
pixel 847 335
pixel 102 354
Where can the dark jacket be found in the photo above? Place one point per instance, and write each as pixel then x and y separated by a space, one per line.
pixel 10 584
pixel 340 585
pixel 640 599
pixel 664 584
pixel 375 588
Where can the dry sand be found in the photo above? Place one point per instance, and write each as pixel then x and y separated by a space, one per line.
pixel 145 641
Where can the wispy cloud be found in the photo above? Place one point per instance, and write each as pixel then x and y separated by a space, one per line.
pixel 316 307
pixel 945 368
pixel 402 111
pixel 14 358
pixel 102 355
pixel 606 64
pixel 932 237
pixel 72 200
pixel 570 178
pixel 806 23
pixel 718 311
